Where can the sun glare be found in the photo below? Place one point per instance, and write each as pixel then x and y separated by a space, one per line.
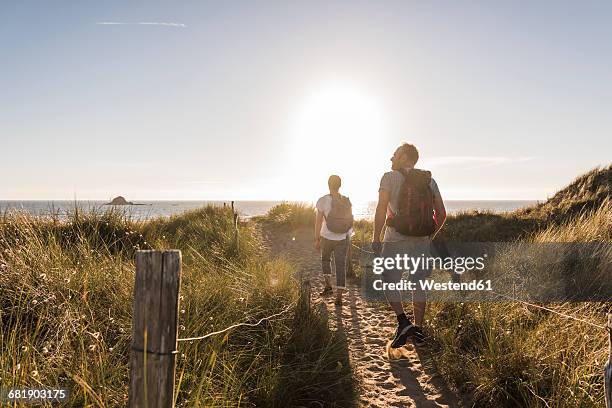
pixel 336 130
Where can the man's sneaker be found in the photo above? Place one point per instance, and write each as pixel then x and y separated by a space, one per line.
pixel 327 291
pixel 418 338
pixel 404 329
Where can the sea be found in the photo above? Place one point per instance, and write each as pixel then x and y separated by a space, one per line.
pixel 246 209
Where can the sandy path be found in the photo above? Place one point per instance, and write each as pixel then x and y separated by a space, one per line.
pixel 389 378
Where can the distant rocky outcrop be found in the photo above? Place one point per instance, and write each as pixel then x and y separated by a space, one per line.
pixel 119 201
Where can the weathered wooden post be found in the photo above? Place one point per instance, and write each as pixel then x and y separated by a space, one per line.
pixel 608 367
pixel 236 222
pixel 154 329
pixel 236 231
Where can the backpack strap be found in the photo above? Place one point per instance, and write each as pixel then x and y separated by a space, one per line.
pixel 323 212
pixel 416 173
pixel 341 198
pixel 331 203
pixel 403 172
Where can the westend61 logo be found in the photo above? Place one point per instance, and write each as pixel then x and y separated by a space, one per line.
pixel 412 264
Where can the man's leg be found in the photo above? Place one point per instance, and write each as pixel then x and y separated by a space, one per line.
pixel 326 249
pixel 397 307
pixel 405 328
pixel 419 296
pixel 394 275
pixel 419 303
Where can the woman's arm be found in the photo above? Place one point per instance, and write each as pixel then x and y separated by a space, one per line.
pixel 317 231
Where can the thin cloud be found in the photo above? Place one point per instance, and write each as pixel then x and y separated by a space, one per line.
pixel 166 24
pixel 475 161
pixel 201 182
pixel 121 164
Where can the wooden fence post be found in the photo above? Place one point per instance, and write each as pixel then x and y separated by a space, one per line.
pixel 236 222
pixel 154 329
pixel 236 231
pixel 608 367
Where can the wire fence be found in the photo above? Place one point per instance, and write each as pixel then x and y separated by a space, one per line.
pixel 552 311
pixel 290 306
pixel 234 326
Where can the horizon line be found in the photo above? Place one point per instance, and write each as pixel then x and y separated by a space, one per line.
pixel 135 200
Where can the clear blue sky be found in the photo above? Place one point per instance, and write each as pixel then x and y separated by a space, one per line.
pixel 253 100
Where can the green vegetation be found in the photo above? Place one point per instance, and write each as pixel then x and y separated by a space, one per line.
pixel 66 290
pixel 587 193
pixel 290 216
pixel 66 303
pixel 506 354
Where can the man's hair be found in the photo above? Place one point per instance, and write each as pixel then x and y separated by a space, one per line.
pixel 410 151
pixel 334 182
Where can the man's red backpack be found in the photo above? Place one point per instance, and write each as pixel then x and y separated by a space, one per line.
pixel 415 212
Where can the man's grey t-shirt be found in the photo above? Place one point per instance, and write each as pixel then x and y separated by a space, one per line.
pixel 391 181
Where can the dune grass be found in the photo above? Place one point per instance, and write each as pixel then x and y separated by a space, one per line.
pixel 66 298
pixel 507 354
pixel 66 287
pixel 290 215
pixel 586 193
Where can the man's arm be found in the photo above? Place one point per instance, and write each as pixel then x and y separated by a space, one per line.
pixel 317 231
pixel 439 215
pixel 381 214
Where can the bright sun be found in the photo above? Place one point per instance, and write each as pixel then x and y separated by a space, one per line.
pixel 336 130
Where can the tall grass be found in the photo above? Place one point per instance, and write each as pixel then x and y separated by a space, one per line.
pixel 585 194
pixel 290 216
pixel 66 298
pixel 507 354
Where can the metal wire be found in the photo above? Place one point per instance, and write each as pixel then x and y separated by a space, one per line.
pixel 240 325
pixel 363 250
pixel 552 311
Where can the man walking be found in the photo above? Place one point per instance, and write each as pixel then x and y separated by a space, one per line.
pixel 333 230
pixel 411 208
